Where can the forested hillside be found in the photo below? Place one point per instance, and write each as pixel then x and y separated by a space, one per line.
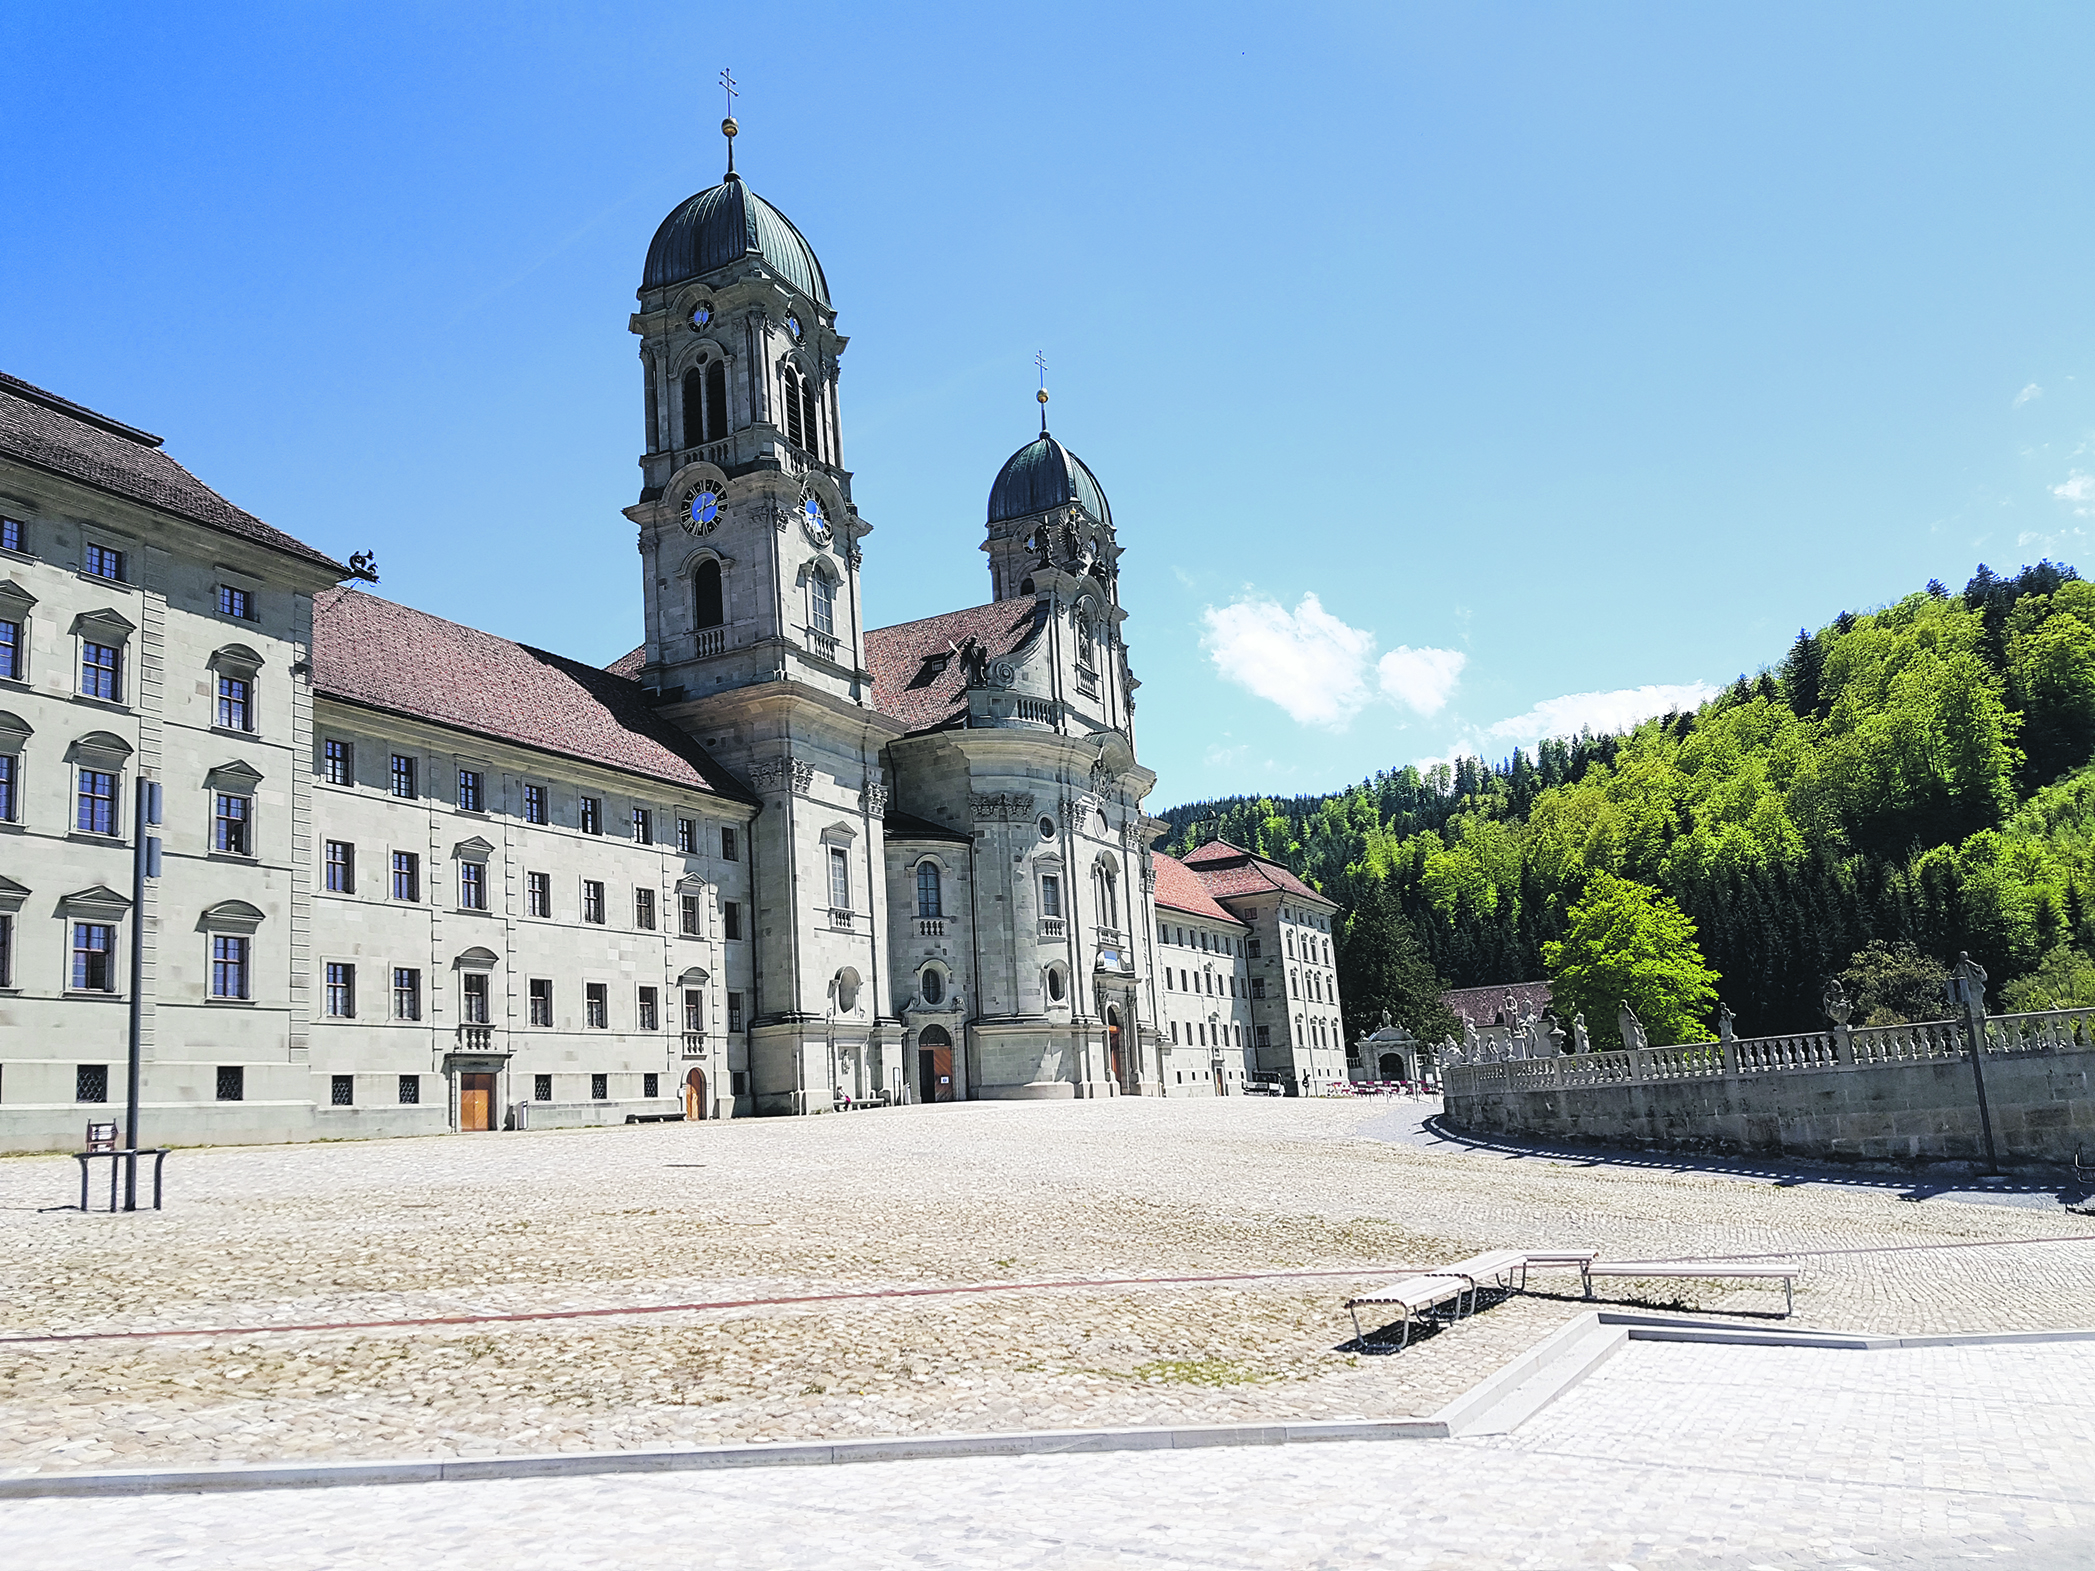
pixel 1912 775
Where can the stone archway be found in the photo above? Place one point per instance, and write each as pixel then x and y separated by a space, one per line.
pixel 695 1095
pixel 934 1065
pixel 1391 1067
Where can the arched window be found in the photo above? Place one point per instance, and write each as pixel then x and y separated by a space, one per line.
pixel 694 407
pixel 928 903
pixel 796 431
pixel 933 985
pixel 814 423
pixel 1054 984
pixel 1291 946
pixel 1294 985
pixel 821 604
pixel 707 607
pixel 1108 898
pixel 716 399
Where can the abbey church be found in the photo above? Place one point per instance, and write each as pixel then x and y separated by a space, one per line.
pixel 409 876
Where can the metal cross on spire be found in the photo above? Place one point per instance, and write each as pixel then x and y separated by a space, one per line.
pixel 728 128
pixel 1040 360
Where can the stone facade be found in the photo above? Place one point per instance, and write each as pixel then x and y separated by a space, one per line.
pixel 1203 999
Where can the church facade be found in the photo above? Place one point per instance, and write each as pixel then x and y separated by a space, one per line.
pixel 415 877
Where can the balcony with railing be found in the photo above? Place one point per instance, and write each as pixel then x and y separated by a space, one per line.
pixel 823 644
pixel 1052 927
pixel 694 1044
pixel 841 919
pixel 1037 711
pixel 476 1039
pixel 931 927
pixel 1087 681
pixel 707 642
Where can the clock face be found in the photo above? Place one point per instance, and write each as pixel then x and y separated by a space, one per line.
pixel 793 325
pixel 702 510
pixel 815 520
pixel 701 314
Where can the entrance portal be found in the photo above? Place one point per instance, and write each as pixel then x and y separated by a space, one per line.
pixel 695 1095
pixel 934 1065
pixel 476 1102
pixel 1113 1044
pixel 1391 1067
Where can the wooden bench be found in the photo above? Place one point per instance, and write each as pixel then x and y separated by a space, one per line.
pixel 1762 1270
pixel 1414 1295
pixel 1495 1265
pixel 1558 1260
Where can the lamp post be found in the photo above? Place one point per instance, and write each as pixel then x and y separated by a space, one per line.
pixel 145 863
pixel 1968 987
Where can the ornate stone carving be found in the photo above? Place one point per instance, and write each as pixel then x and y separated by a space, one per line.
pixel 1006 807
pixel 873 798
pixel 775 774
pixel 803 775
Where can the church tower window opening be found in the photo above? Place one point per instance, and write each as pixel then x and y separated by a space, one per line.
pixel 708 606
pixel 694 407
pixel 929 904
pixel 821 604
pixel 796 430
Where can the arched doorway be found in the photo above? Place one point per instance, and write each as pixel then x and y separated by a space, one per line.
pixel 695 1095
pixel 1391 1066
pixel 934 1065
pixel 1113 1043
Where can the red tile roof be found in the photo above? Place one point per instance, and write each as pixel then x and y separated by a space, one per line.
pixel 1229 870
pixel 1179 889
pixel 629 664
pixel 370 651
pixel 912 683
pixel 1483 1006
pixel 55 434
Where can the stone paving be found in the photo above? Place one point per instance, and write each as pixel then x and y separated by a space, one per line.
pixel 1670 1458
pixel 907 1198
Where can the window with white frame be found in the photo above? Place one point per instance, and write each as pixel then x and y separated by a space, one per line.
pixel 337 761
pixel 929 903
pixel 236 708
pixel 229 967
pixel 538 894
pixel 407 993
pixel 101 561
pixel 10 786
pixel 592 900
pixel 472 997
pixel 95 801
pixel 340 868
pixel 839 878
pixel 11 648
pixel 339 992
pixel 469 790
pixel 94 957
pixel 821 604
pixel 472 886
pixel 644 910
pixel 232 823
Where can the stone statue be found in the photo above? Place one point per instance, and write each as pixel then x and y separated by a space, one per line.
pixel 1632 1028
pixel 1580 1042
pixel 1725 1033
pixel 1836 1004
pixel 1386 1021
pixel 1549 1036
pixel 1509 1012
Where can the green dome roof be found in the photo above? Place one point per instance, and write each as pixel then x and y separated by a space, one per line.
pixel 1041 475
pixel 724 224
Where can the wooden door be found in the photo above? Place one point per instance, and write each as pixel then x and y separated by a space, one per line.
pixel 695 1095
pixel 476 1102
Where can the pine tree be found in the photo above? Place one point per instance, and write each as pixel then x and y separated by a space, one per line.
pixel 1382 966
pixel 1803 675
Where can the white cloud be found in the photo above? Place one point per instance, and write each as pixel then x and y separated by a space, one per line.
pixel 2078 491
pixel 1316 667
pixel 1616 711
pixel 1421 679
pixel 2028 393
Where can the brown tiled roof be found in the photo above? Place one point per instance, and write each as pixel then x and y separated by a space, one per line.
pixel 1482 1006
pixel 370 651
pixel 1229 870
pixel 1179 889
pixel 913 685
pixel 629 664
pixel 62 438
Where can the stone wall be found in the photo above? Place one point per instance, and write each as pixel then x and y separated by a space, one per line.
pixel 1886 1094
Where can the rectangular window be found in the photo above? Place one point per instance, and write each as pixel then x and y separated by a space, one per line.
pixel 839 878
pixel 538 894
pixel 101 562
pixel 731 919
pixel 472 886
pixel 7 950
pixel 235 711
pixel 337 762
pixel 1050 894
pixel 596 1006
pixel 1265 1036
pixel 228 966
pixel 600 1088
pixel 541 1001
pixel 11 650
pixel 97 814
pixel 235 602
pixel 469 790
pixel 734 1011
pixel 694 1010
pixel 729 851
pixel 403 777
pixel 472 993
pixel 410 1090
pixel 100 668
pixel 1169 987
pixel 644 910
pixel 650 1009
pixel 541 1088
pixel 1258 987
pixel 7 788
pixel 1257 948
pixel 592 816
pixel 1174 1033
pixel 341 1091
pixel 643 826
pixel 341 867
pixel 592 900
pixel 232 1083
pixel 11 534
pixel 407 993
pixel 687 835
pixel 650 1086
pixel 534 804
pixel 407 876
pixel 229 824
pixel 687 905
pixel 341 992
pixel 91 1083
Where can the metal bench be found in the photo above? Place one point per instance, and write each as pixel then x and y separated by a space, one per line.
pixel 1763 1270
pixel 1557 1260
pixel 1415 1296
pixel 1497 1265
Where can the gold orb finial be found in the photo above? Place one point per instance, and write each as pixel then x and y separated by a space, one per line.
pixel 728 126
pixel 1041 395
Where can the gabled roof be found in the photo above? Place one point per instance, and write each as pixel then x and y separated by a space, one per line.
pixel 60 437
pixel 1179 889
pixel 918 675
pixel 385 656
pixel 1227 871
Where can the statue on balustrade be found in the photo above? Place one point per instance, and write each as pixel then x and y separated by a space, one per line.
pixel 1548 1037
pixel 1725 1031
pixel 1632 1029
pixel 1580 1042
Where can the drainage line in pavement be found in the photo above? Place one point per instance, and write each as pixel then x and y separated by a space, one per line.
pixel 724 1303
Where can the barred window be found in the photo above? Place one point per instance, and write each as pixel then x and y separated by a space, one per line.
pixel 410 1090
pixel 91 1083
pixel 341 1091
pixel 541 1088
pixel 600 1088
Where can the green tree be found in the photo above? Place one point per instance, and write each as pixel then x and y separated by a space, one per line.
pixel 1892 983
pixel 1625 941
pixel 1382 966
pixel 2064 979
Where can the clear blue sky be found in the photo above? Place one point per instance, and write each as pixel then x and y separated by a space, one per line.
pixel 1454 371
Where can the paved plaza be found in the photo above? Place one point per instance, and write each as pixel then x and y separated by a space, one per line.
pixel 1055 1224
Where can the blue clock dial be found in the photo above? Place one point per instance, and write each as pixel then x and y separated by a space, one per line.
pixel 705 508
pixel 701 315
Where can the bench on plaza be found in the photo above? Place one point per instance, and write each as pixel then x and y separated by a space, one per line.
pixel 1556 1260
pixel 1416 1295
pixel 1497 1266
pixel 1758 1270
